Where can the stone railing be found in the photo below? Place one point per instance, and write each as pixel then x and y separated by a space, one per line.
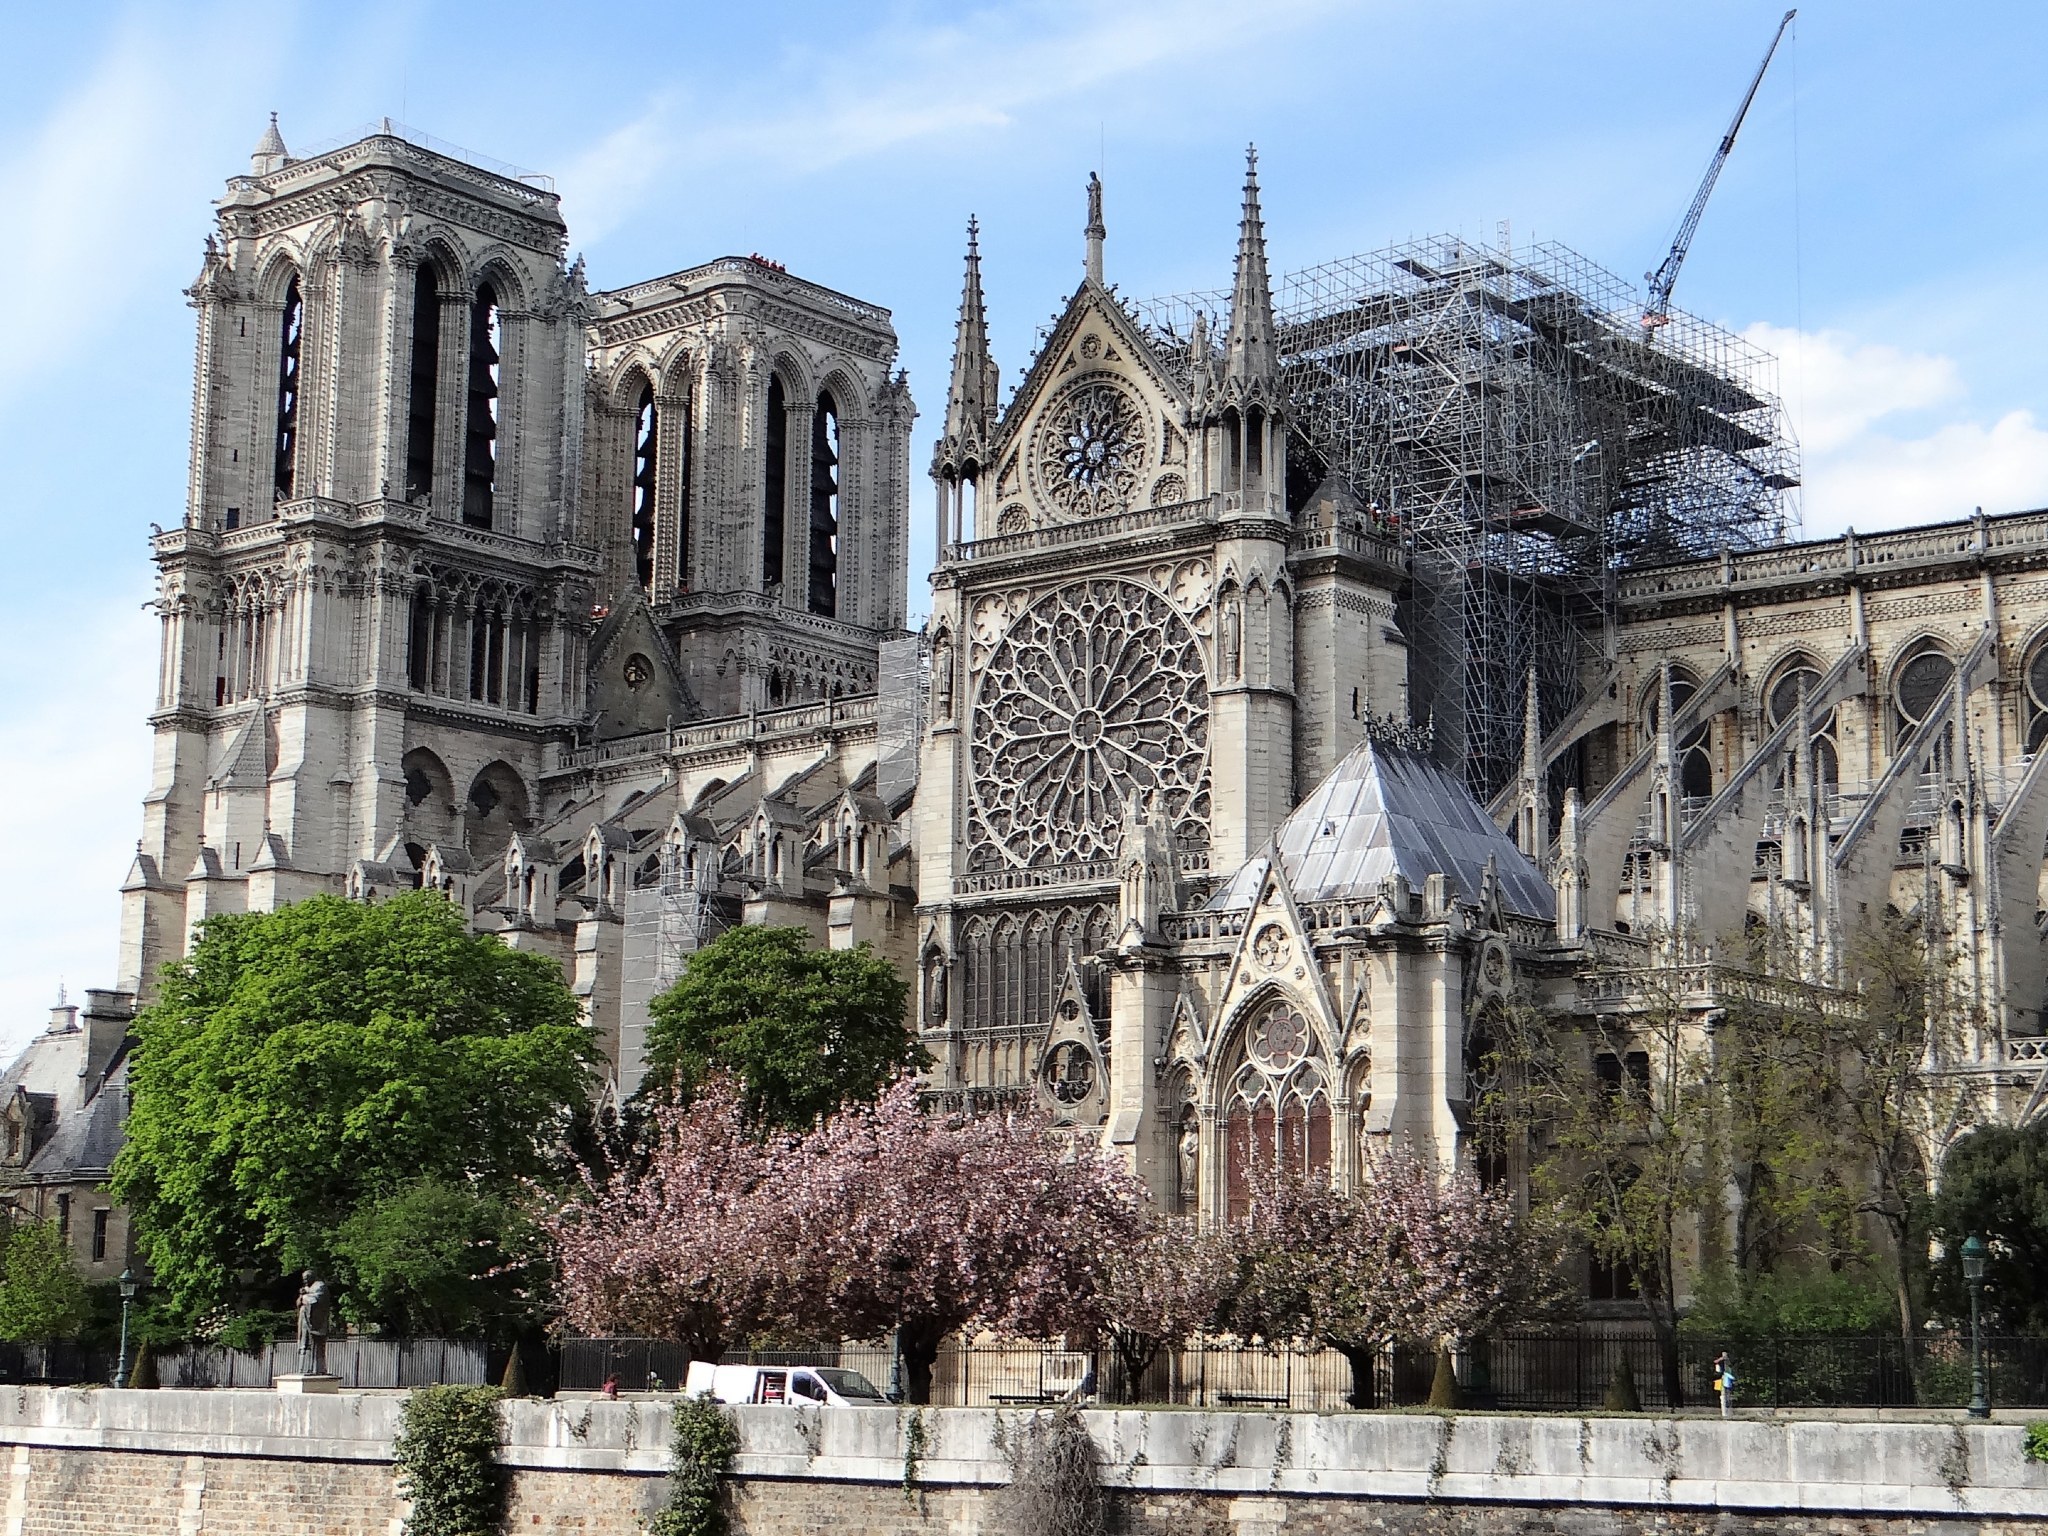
pixel 755 274
pixel 1913 549
pixel 1085 531
pixel 309 511
pixel 1372 543
pixel 1036 877
pixel 1704 984
pixel 763 725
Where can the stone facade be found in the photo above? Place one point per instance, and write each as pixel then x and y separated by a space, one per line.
pixel 586 609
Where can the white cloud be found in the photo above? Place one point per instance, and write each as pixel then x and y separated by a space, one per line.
pixel 904 85
pixel 1887 438
pixel 92 188
pixel 75 773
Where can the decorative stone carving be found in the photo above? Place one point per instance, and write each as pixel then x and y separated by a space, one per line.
pixel 1096 693
pixel 1092 449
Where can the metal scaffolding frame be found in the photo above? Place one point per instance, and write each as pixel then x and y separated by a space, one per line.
pixel 1509 413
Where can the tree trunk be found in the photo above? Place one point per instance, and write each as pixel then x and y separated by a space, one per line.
pixel 1135 1353
pixel 1664 1324
pixel 1909 1321
pixel 919 1340
pixel 1363 1359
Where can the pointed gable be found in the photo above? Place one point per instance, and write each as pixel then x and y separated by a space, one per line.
pixel 635 685
pixel 1097 426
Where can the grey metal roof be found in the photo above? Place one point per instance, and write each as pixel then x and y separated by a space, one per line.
pixel 1384 810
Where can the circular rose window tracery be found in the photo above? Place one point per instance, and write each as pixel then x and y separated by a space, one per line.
pixel 1278 1037
pixel 1092 448
pixel 1096 693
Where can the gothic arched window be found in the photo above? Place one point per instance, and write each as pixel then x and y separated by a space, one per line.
pixel 1917 688
pixel 423 400
pixel 480 438
pixel 1695 760
pixel 824 593
pixel 2035 702
pixel 1781 703
pixel 646 448
pixel 290 337
pixel 1277 1109
pixel 774 483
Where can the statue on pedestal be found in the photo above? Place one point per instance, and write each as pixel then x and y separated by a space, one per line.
pixel 315 1304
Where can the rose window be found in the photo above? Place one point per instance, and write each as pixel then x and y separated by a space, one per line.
pixel 1278 1038
pixel 1069 1072
pixel 1095 695
pixel 1092 448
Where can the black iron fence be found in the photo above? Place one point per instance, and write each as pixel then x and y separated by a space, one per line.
pixel 360 1363
pixel 1528 1372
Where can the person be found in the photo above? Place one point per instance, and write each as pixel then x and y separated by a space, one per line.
pixel 610 1387
pixel 313 1314
pixel 1724 1383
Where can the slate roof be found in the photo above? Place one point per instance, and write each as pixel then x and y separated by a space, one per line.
pixel 86 1139
pixel 1384 810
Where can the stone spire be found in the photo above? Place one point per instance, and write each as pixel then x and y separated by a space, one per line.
pixel 1535 809
pixel 1251 362
pixel 270 154
pixel 1096 232
pixel 971 400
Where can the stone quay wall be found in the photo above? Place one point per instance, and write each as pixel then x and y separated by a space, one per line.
pixel 119 1463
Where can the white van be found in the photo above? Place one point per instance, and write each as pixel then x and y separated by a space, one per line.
pixel 827 1385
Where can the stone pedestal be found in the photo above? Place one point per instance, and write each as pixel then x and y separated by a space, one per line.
pixel 306 1385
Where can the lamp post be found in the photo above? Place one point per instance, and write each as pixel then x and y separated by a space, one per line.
pixel 899 1267
pixel 1973 1274
pixel 128 1289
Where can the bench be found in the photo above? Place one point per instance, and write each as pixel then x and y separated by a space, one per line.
pixel 1025 1397
pixel 1243 1399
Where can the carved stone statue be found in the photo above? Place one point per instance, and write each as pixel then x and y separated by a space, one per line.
pixel 942 676
pixel 315 1304
pixel 1190 1161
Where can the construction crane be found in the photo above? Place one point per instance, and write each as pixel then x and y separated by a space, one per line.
pixel 1661 281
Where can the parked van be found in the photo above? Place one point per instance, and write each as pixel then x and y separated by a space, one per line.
pixel 823 1384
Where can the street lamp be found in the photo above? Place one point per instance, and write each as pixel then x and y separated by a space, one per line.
pixel 1973 1274
pixel 128 1289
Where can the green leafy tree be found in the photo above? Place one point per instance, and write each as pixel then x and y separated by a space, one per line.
pixel 1620 1111
pixel 1994 1184
pixel 42 1294
pixel 803 1030
pixel 436 1259
pixel 305 1066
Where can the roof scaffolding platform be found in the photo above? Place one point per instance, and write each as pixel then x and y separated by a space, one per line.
pixel 1510 413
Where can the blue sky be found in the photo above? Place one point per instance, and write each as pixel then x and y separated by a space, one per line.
pixel 1879 226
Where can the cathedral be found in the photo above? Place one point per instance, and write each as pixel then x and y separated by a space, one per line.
pixel 588 609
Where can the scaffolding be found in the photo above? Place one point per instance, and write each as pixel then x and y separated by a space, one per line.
pixel 1510 414
pixel 666 921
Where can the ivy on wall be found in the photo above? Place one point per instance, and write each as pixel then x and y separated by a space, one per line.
pixel 447 1460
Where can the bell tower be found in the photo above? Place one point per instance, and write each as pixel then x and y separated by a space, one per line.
pixel 375 605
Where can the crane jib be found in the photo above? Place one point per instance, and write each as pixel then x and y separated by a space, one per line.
pixel 1657 312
